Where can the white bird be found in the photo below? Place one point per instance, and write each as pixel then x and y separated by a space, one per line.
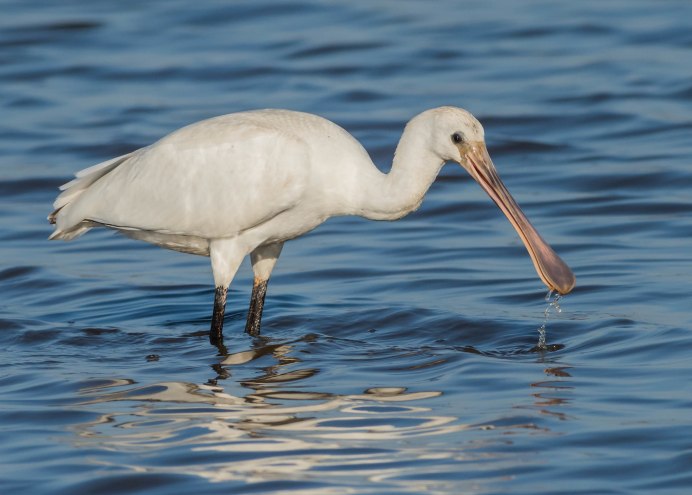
pixel 246 182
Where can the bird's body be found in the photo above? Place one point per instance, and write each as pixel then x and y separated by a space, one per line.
pixel 245 183
pixel 207 181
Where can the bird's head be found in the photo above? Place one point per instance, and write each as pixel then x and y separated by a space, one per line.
pixel 458 136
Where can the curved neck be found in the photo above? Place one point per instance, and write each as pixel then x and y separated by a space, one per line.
pixel 401 191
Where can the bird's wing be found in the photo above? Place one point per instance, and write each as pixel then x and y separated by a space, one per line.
pixel 213 179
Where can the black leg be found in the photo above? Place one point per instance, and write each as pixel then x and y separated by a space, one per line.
pixel 254 314
pixel 216 331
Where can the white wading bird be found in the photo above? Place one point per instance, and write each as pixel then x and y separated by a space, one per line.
pixel 247 182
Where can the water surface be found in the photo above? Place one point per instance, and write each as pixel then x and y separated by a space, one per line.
pixel 395 357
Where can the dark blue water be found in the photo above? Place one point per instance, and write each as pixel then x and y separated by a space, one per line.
pixel 395 357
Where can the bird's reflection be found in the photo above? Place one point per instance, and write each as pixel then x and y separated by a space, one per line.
pixel 274 425
pixel 551 392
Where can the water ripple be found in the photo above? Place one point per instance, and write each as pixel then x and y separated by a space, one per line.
pixel 395 357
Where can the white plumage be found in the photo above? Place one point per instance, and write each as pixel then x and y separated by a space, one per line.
pixel 244 183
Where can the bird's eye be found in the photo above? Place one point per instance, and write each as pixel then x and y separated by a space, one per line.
pixel 456 138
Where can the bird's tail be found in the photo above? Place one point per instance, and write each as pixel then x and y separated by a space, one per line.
pixel 69 229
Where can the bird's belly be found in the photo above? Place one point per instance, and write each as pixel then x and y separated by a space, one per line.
pixel 184 243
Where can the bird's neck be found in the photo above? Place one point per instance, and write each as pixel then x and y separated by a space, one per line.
pixel 401 191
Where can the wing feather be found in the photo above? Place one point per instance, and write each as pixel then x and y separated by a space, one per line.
pixel 212 179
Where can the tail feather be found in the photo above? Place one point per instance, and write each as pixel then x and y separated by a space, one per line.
pixel 73 189
pixel 84 178
pixel 52 218
pixel 68 235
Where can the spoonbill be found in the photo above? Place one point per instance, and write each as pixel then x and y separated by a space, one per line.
pixel 244 183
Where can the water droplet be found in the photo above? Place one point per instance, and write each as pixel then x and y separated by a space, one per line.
pixel 553 304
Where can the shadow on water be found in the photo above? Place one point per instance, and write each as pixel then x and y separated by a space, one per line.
pixel 537 349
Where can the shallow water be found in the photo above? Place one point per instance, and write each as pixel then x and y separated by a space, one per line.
pixel 395 357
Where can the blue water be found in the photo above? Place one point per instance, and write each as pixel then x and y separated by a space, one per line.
pixel 395 357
